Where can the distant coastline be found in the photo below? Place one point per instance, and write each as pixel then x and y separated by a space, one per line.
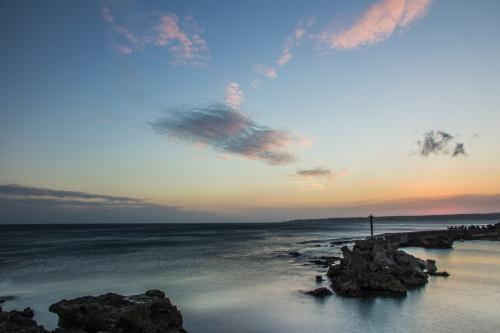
pixel 457 217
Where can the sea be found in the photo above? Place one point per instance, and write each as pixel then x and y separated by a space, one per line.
pixel 241 278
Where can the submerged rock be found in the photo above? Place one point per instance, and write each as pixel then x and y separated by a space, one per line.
pixel 443 273
pixel 113 313
pixel 19 322
pixel 319 292
pixel 376 268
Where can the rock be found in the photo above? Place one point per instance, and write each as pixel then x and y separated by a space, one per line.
pixel 319 278
pixel 6 298
pixel 294 253
pixel 145 313
pixel 19 322
pixel 319 292
pixel 431 266
pixel 374 267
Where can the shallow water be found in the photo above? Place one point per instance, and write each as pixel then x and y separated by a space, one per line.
pixel 240 278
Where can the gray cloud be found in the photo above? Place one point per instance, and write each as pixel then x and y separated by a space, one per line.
pixel 23 204
pixel 439 142
pixel 459 150
pixel 316 172
pixel 227 130
pixel 18 191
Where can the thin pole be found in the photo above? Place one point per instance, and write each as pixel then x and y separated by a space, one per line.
pixel 371 225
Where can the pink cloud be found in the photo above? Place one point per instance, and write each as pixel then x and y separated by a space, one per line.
pixel 182 37
pixel 377 23
pixel 294 40
pixel 234 95
pixel 186 45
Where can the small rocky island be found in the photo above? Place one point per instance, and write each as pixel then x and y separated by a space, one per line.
pixel 378 267
pixel 150 312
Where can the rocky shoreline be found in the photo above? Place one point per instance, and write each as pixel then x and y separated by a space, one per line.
pixel 150 312
pixel 378 267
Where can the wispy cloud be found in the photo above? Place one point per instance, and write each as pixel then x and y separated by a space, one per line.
pixel 265 70
pixel 234 95
pixel 229 131
pixel 128 42
pixel 377 23
pixel 182 37
pixel 440 142
pixel 294 40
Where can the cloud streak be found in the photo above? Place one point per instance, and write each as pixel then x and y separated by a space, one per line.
pixel 440 143
pixel 25 204
pixel 316 172
pixel 226 130
pixel 17 191
pixel 377 23
pixel 294 40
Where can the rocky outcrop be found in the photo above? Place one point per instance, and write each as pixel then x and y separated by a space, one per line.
pixel 145 313
pixel 150 312
pixel 377 268
pixel 19 322
pixel 319 292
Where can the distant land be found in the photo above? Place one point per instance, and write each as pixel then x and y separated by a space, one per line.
pixel 458 217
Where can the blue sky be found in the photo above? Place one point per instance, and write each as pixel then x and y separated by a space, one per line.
pixel 347 90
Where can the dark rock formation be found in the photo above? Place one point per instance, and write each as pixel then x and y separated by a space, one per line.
pixel 319 292
pixel 294 253
pixel 319 278
pixel 437 242
pixel 444 273
pixel 376 268
pixel 113 313
pixel 19 322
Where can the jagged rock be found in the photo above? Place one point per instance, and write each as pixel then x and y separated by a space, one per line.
pixel 113 313
pixel 319 292
pixel 431 266
pixel 319 278
pixel 376 268
pixel 19 322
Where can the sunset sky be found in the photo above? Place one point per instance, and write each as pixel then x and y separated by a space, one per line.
pixel 185 111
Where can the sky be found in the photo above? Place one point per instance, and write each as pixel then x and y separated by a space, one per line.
pixel 231 111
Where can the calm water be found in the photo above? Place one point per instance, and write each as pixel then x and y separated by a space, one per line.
pixel 240 278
